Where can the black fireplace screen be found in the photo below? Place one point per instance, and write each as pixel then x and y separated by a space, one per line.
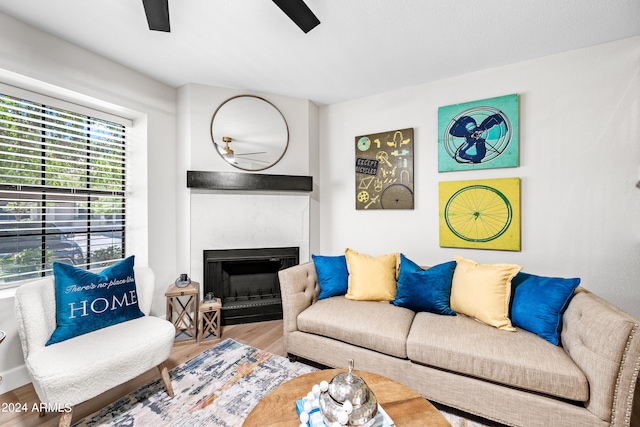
pixel 246 280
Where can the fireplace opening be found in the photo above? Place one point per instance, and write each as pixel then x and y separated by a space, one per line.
pixel 246 281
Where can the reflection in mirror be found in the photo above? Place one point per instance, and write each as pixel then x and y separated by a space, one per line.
pixel 249 132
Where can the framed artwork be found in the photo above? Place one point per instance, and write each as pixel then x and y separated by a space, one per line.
pixel 478 135
pixel 384 170
pixel 480 214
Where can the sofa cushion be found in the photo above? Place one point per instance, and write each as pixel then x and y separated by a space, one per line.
pixel 483 291
pixel 333 276
pixel 374 325
pixel 519 359
pixel 372 278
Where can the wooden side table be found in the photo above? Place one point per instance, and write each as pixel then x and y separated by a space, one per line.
pixel 182 311
pixel 209 321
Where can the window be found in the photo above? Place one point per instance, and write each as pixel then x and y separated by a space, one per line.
pixel 62 189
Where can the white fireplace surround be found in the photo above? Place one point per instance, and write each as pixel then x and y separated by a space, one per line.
pixel 240 220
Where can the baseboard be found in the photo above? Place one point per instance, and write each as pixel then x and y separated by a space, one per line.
pixel 14 378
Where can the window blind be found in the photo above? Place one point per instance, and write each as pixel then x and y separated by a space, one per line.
pixel 62 189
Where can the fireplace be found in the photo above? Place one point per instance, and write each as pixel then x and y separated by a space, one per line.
pixel 246 280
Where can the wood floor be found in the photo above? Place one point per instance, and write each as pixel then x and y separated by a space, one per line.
pixel 263 335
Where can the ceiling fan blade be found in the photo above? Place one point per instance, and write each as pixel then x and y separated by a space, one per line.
pixel 248 159
pixel 157 12
pixel 299 12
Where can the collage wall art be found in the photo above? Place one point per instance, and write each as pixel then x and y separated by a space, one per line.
pixel 478 214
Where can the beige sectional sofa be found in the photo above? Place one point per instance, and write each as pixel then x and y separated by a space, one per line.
pixel 516 379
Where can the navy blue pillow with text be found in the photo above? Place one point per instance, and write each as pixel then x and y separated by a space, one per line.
pixel 86 301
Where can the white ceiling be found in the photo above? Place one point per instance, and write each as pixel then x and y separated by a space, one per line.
pixel 361 47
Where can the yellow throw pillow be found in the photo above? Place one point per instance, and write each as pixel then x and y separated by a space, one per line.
pixel 483 291
pixel 371 279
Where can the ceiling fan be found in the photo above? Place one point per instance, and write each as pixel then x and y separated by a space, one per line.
pixel 157 12
pixel 232 157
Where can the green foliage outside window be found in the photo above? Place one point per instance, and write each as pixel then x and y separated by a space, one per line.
pixel 23 262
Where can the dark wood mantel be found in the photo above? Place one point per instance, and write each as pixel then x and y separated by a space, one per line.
pixel 236 181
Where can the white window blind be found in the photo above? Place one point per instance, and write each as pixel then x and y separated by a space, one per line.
pixel 62 189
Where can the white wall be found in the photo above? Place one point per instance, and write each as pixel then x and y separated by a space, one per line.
pixel 235 220
pixel 579 162
pixel 43 63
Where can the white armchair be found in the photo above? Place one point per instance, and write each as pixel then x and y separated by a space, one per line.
pixel 78 369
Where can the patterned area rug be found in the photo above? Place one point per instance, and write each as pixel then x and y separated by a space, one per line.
pixel 459 421
pixel 217 388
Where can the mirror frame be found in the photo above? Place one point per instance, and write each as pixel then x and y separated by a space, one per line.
pixel 217 145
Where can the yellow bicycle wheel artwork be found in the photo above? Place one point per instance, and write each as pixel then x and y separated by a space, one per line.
pixel 481 214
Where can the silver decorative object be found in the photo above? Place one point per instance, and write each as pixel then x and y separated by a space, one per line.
pixel 348 401
pixel 183 281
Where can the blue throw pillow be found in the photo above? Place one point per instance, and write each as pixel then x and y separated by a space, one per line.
pixel 538 303
pixel 333 275
pixel 425 290
pixel 87 301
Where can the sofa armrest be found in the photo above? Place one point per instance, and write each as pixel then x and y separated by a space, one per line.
pixel 635 414
pixel 604 342
pixel 299 287
pixel 35 309
pixel 145 286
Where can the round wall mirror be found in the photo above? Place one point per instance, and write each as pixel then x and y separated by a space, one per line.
pixel 249 132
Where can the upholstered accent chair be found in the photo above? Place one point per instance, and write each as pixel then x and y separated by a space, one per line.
pixel 67 373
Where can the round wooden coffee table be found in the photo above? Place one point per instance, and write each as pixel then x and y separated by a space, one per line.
pixel 405 407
